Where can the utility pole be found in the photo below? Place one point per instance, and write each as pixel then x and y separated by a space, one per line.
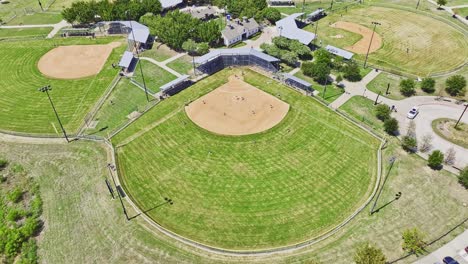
pixel 466 106
pixel 316 27
pixel 370 43
pixel 303 8
pixel 46 90
pixel 377 99
pixel 388 88
pixel 118 192
pixel 138 57
pixel 417 5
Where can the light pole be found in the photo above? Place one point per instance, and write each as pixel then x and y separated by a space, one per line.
pixel 377 99
pixel 138 57
pixel 46 90
pixel 466 106
pixel 118 192
pixel 316 28
pixel 370 43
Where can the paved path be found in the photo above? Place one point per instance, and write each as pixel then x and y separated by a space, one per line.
pixel 450 10
pixel 429 110
pixel 267 35
pixel 162 65
pixel 173 58
pixel 451 249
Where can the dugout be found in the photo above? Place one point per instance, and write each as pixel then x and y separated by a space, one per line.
pixel 176 86
pixel 296 82
pixel 217 60
pixel 339 52
pixel 127 62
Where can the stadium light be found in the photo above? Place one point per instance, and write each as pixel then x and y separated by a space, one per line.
pixel 370 42
pixel 138 56
pixel 46 90
pixel 316 28
pixel 466 106
pixel 109 166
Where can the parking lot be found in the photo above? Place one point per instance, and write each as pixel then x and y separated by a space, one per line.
pixel 451 249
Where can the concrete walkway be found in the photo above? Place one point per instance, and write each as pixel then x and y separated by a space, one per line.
pixel 450 10
pixel 429 110
pixel 162 65
pixel 450 249
pixel 266 36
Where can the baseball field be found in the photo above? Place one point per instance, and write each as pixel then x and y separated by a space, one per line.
pixel 282 186
pixel 25 109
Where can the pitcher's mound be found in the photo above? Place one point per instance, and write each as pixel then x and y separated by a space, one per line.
pixel 76 61
pixel 237 108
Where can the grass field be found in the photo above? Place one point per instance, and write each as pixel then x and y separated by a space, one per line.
pixel 24 109
pixel 257 191
pixel 155 76
pixel 159 52
pixel 433 45
pixel 380 84
pixel 332 92
pixel 445 128
pixel 362 110
pixel 36 19
pixel 182 65
pixel 124 99
pixel 10 33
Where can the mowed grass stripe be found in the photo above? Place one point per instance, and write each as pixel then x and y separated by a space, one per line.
pixel 283 186
pixel 24 109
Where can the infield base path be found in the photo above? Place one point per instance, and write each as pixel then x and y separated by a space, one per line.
pixel 362 45
pixel 237 108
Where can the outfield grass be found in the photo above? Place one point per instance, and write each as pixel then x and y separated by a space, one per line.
pixel 182 65
pixel 10 33
pixel 24 109
pixel 154 75
pixel 434 46
pixel 283 186
pixel 159 52
pixel 362 110
pixel 125 99
pixel 36 19
pixel 332 92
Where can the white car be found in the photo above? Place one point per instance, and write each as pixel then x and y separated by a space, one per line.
pixel 413 112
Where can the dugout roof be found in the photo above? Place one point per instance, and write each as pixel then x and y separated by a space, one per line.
pixel 339 52
pixel 169 3
pixel 140 31
pixel 232 52
pixel 126 59
pixel 173 83
pixel 288 29
pixel 296 79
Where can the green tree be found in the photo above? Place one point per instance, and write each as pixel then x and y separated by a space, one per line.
pixel 441 2
pixel 203 48
pixel 323 56
pixel 413 241
pixel 3 163
pixel 435 160
pixel 463 177
pixel 382 112
pixel 391 126
pixel 300 49
pixel 455 85
pixel 407 87
pixel 208 32
pixel 272 50
pixel 428 85
pixel 339 78
pixel 190 46
pixel 368 254
pixel 317 70
pixel 352 73
pixel 410 144
pixel 289 57
pixel 151 6
pixel 271 14
pixel 281 42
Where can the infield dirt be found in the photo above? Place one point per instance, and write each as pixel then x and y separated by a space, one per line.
pixel 362 45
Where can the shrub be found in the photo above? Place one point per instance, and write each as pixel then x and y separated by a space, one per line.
pixel 14 214
pixel 30 227
pixel 203 48
pixel 15 195
pixel 317 70
pixel 391 126
pixel 352 72
pixel 455 85
pixel 435 160
pixel 339 78
pixel 3 164
pixel 29 252
pixel 409 144
pixel 290 58
pixel 407 87
pixel 382 112
pixel 367 254
pixel 413 241
pixel 428 85
pixel 463 177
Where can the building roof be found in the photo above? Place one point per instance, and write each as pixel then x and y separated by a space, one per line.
pixel 288 29
pixel 140 31
pixel 201 12
pixel 237 27
pixel 239 51
pixel 296 79
pixel 170 84
pixel 339 52
pixel 169 3
pixel 126 59
pixel 315 13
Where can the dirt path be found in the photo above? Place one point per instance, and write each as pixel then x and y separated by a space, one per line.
pixel 362 45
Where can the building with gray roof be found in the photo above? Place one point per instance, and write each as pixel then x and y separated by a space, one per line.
pixel 167 4
pixel 237 30
pixel 288 28
pixel 339 52
pixel 203 12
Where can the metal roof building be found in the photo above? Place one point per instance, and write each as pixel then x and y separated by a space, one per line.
pixel 239 51
pixel 140 31
pixel 126 59
pixel 289 29
pixel 297 82
pixel 339 52
pixel 165 4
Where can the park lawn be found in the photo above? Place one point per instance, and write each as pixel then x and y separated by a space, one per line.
pixel 125 99
pixel 440 83
pixel 380 83
pixel 159 52
pixel 36 19
pixel 154 75
pixel 434 46
pixel 331 93
pixel 24 109
pixel 9 33
pixel 182 65
pixel 463 12
pixel 270 189
pixel 445 128
pixel 340 37
pixel 362 110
